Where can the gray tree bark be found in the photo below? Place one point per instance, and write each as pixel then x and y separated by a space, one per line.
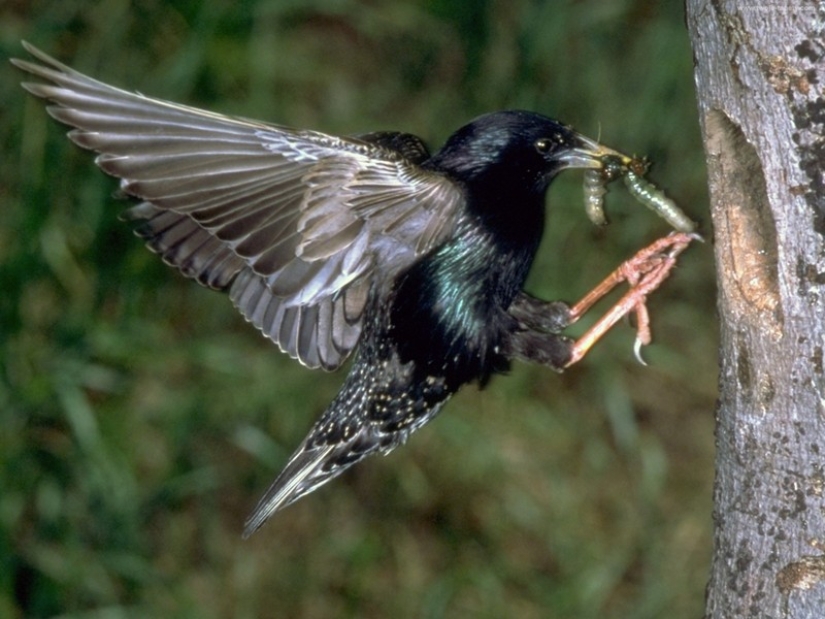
pixel 760 68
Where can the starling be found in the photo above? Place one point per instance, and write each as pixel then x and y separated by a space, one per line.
pixel 366 246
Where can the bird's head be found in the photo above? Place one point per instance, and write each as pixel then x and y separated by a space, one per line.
pixel 518 149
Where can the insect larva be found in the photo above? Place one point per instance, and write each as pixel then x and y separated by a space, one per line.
pixel 655 199
pixel 595 186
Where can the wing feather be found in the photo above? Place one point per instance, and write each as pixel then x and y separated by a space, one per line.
pixel 295 224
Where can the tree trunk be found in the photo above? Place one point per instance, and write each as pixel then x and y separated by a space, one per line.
pixel 759 73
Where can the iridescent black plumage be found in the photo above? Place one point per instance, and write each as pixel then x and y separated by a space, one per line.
pixel 443 322
pixel 330 245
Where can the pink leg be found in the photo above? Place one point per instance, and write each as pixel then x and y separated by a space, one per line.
pixel 645 272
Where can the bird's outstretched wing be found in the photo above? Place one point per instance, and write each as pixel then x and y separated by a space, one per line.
pixel 293 223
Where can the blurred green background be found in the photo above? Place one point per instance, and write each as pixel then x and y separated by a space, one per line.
pixel 141 418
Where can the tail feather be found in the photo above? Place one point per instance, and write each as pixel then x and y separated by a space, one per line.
pixel 304 472
pixel 313 465
pixel 380 404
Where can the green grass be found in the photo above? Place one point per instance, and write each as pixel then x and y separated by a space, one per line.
pixel 141 418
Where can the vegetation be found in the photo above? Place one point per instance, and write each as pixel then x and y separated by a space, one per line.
pixel 141 418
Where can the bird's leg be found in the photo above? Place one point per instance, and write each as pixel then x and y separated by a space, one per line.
pixel 548 349
pixel 535 335
pixel 538 315
pixel 645 272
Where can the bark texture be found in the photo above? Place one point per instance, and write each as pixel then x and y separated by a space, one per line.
pixel 759 73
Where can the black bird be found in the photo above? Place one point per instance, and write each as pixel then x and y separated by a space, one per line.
pixel 331 245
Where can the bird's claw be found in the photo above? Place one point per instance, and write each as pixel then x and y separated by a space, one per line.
pixel 644 272
pixel 637 350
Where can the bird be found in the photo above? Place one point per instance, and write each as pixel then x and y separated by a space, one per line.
pixel 367 247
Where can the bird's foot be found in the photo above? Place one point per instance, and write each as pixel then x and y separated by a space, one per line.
pixel 645 272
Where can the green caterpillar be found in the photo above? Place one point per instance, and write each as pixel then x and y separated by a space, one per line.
pixel 632 171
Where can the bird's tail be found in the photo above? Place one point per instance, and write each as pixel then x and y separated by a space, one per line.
pixel 380 404
pixel 316 462
pixel 306 470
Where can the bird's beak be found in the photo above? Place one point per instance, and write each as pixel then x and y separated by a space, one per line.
pixel 587 153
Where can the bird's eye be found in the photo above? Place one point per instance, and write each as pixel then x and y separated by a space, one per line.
pixel 543 145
